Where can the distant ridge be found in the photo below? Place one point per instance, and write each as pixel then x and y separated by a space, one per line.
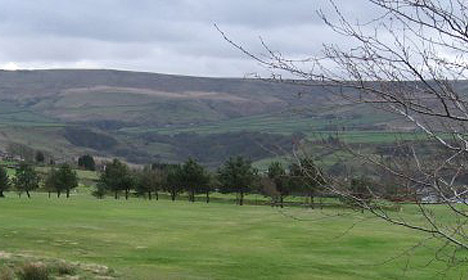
pixel 60 110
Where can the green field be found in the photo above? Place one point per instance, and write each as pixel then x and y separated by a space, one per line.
pixel 32 127
pixel 278 123
pixel 142 239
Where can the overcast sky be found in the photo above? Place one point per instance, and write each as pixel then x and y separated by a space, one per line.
pixel 164 36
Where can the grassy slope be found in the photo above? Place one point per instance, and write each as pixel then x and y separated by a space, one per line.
pixel 286 122
pixel 44 134
pixel 36 114
pixel 37 109
pixel 165 240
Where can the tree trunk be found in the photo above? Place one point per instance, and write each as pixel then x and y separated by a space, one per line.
pixel 28 194
pixel 281 201
pixel 241 199
pixel 68 193
pixel 312 201
pixel 157 195
pixel 207 197
pixel 115 194
pixel 149 195
pixel 173 195
pixel 49 193
pixel 192 196
pixel 1 194
pixel 58 194
pixel 126 194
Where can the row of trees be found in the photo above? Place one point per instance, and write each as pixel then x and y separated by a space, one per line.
pixel 236 176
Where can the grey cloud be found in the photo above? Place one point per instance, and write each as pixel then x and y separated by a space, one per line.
pixel 161 36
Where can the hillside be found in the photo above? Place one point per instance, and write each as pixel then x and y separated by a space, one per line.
pixel 130 98
pixel 147 117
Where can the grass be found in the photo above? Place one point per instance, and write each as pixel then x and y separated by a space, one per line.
pixel 142 239
pixel 12 115
pixel 286 122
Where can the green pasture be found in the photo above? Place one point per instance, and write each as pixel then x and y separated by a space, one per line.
pixel 141 239
pixel 277 124
pixel 13 115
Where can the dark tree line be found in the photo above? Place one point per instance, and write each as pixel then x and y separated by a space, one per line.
pixel 190 177
pixel 301 178
pixel 236 176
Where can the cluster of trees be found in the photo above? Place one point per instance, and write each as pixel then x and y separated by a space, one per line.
pixel 26 179
pixel 235 176
pixel 60 180
pixel 189 177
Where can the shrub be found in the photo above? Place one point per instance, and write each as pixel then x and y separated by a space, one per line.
pixel 6 274
pixel 64 268
pixel 33 271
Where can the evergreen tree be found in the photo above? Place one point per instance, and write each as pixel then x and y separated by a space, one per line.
pixel 237 175
pixel 50 182
pixel 66 179
pixel 117 177
pixel 39 157
pixel 87 162
pixel 306 178
pixel 4 181
pixel 150 181
pixel 194 178
pixel 26 179
pixel 174 182
pixel 277 174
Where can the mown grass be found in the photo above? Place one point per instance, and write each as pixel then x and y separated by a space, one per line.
pixel 143 239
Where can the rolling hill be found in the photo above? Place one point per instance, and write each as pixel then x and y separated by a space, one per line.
pixel 146 117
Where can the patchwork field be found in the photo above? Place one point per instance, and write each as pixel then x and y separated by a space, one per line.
pixel 68 113
pixel 140 239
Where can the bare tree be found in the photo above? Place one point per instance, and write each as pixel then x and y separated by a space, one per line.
pixel 411 60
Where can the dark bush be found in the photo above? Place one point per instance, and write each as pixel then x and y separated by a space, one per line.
pixel 33 271
pixel 64 268
pixel 6 274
